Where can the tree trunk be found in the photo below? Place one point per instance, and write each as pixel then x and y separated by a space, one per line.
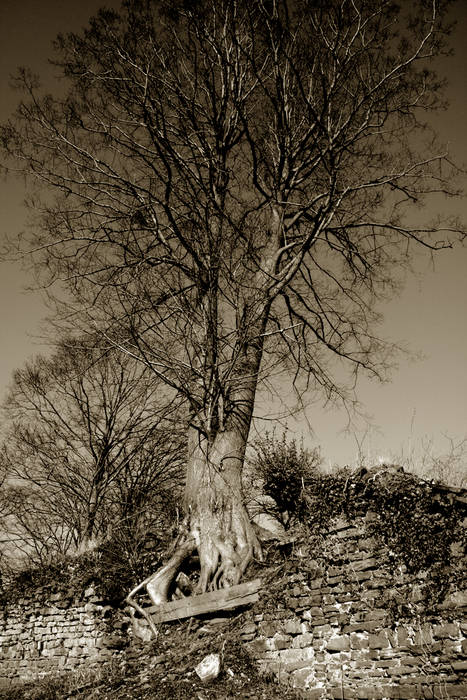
pixel 217 523
pixel 218 520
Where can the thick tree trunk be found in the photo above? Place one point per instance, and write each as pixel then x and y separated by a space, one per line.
pixel 218 520
pixel 217 523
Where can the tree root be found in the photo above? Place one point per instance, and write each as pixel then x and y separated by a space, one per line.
pixel 223 561
pixel 157 585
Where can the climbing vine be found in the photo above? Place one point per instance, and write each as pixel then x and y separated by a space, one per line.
pixel 419 522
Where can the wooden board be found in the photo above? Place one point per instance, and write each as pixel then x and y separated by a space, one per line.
pixel 222 599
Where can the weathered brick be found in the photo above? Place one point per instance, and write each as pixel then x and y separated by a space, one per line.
pixel 341 643
pixel 281 641
pixel 378 641
pixel 446 630
pixel 293 626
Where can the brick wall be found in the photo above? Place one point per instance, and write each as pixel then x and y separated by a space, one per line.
pixel 50 632
pixel 351 625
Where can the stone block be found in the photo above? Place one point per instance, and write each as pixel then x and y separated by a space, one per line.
pixel 288 655
pixel 406 692
pixel 338 643
pixel 361 627
pixel 365 564
pixel 280 641
pixel 378 641
pixel 447 630
pixel 312 613
pixel 319 622
pixel 315 694
pixel 442 691
pixel 403 636
pixel 458 599
pixel 359 640
pixel 315 583
pixel 460 666
pixel 423 635
pixel 267 629
pixel 451 646
pixel 302 678
pixel 302 640
pixel 349 533
pixel 377 614
pixel 258 646
pixel 293 626
pixel 400 670
pixel 412 660
pixel 343 693
pixel 369 692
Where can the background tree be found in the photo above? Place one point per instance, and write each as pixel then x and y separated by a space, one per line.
pixel 87 448
pixel 231 184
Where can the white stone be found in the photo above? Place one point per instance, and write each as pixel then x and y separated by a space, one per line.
pixel 209 668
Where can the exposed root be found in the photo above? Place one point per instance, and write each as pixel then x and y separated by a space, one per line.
pixel 226 546
pixel 224 560
pixel 157 585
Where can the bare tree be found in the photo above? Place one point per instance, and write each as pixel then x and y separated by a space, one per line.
pixel 87 445
pixel 231 185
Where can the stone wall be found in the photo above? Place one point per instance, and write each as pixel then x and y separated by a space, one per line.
pixel 349 624
pixel 48 632
pixel 353 625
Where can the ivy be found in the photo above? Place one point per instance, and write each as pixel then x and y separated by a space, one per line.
pixel 419 522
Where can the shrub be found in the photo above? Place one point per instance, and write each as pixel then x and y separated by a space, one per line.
pixel 284 469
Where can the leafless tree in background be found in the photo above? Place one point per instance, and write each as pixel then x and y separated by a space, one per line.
pixel 87 446
pixel 228 188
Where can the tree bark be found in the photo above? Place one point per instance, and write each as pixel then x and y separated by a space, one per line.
pixel 218 519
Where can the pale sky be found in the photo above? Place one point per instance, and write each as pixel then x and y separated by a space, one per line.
pixel 426 399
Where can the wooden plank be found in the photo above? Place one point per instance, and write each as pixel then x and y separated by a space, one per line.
pixel 222 599
pixel 192 609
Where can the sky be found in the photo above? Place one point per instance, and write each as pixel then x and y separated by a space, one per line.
pixel 426 401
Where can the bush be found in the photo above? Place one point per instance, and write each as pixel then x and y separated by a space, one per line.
pixel 133 552
pixel 284 469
